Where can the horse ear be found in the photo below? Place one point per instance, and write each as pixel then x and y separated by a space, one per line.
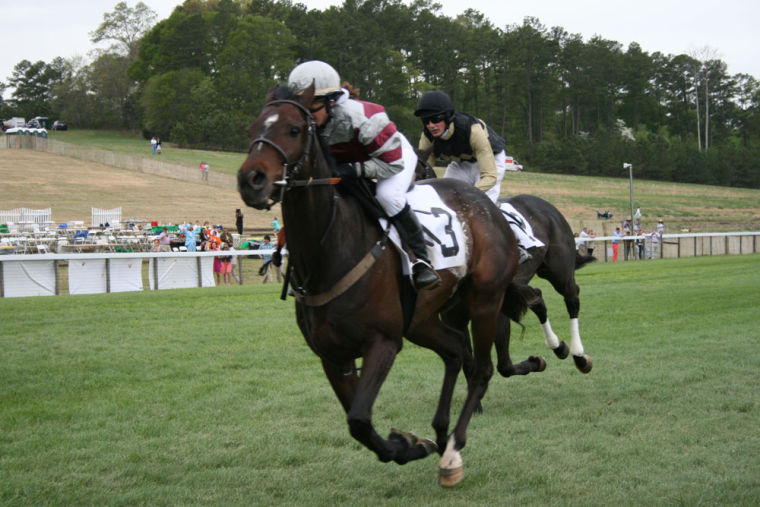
pixel 307 97
pixel 270 94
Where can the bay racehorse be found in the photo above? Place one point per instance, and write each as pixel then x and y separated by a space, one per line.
pixel 350 286
pixel 556 262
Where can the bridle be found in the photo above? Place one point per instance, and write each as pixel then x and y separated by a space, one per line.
pixel 291 170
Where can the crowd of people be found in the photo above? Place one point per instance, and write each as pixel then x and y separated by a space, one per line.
pixel 638 243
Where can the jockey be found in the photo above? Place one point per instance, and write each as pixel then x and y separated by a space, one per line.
pixel 365 143
pixel 475 152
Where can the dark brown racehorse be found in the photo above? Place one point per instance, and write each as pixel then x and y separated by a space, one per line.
pixel 350 283
pixel 556 262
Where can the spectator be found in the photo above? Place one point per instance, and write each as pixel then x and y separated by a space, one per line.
pixel 267 267
pixel 165 241
pixel 627 243
pixel 225 236
pixel 158 145
pixel 239 221
pixel 156 246
pixel 226 264
pixel 615 244
pixel 213 246
pixel 153 144
pixel 641 244
pixel 214 240
pixel 590 242
pixel 190 236
pixel 204 235
pixel 582 241
pixel 275 225
pixel 660 228
pixel 656 237
pixel 204 171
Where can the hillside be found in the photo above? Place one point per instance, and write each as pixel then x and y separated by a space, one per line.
pixel 71 187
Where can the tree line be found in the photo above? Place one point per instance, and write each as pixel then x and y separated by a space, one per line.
pixel 564 104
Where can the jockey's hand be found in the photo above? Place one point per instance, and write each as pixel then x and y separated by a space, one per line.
pixel 345 170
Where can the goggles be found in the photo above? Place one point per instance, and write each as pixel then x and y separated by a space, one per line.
pixel 434 118
pixel 317 105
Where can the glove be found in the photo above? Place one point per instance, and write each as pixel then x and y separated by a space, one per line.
pixel 345 170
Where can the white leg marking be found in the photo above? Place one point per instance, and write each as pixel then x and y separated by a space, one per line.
pixel 451 459
pixel 576 347
pixel 551 339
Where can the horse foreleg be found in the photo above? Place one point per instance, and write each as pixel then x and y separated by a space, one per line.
pixel 504 363
pixel 360 394
pixel 572 302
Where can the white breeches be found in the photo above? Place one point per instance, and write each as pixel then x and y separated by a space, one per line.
pixel 391 192
pixel 469 171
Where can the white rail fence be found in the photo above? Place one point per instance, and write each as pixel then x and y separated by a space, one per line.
pixel 95 273
pixel 654 246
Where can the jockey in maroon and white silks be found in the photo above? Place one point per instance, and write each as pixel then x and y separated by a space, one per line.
pixel 361 131
pixel 365 143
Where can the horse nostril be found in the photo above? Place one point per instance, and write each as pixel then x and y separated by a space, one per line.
pixel 257 179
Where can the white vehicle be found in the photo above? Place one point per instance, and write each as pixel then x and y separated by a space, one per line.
pixel 512 164
pixel 15 122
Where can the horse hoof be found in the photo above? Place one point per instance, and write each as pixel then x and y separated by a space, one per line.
pixel 411 440
pixel 583 363
pixel 450 467
pixel 450 477
pixel 541 362
pixel 428 445
pixel 562 350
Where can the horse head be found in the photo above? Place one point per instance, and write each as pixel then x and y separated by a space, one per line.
pixel 282 138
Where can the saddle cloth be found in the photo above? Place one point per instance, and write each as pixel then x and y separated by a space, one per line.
pixel 520 226
pixel 443 232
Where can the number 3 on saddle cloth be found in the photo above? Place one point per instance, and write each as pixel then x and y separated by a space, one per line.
pixel 444 236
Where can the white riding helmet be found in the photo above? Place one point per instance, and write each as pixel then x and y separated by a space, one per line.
pixel 326 79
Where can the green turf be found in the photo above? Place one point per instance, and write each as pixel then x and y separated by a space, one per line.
pixel 211 396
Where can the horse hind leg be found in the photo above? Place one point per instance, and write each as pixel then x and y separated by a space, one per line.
pixel 560 348
pixel 582 361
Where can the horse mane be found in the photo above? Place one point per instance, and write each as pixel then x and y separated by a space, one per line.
pixel 282 92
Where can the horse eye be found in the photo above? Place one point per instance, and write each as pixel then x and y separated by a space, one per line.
pixel 294 131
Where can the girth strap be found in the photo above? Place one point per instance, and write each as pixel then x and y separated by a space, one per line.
pixel 348 279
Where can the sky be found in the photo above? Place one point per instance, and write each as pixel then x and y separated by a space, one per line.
pixel 44 29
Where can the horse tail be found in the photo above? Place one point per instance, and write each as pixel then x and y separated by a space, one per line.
pixel 517 299
pixel 582 260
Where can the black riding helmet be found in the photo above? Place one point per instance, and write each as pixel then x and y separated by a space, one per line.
pixel 435 103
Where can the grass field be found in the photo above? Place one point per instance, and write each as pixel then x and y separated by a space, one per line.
pixel 191 397
pixel 73 186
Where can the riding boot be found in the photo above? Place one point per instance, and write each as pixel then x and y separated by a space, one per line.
pixel 408 227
